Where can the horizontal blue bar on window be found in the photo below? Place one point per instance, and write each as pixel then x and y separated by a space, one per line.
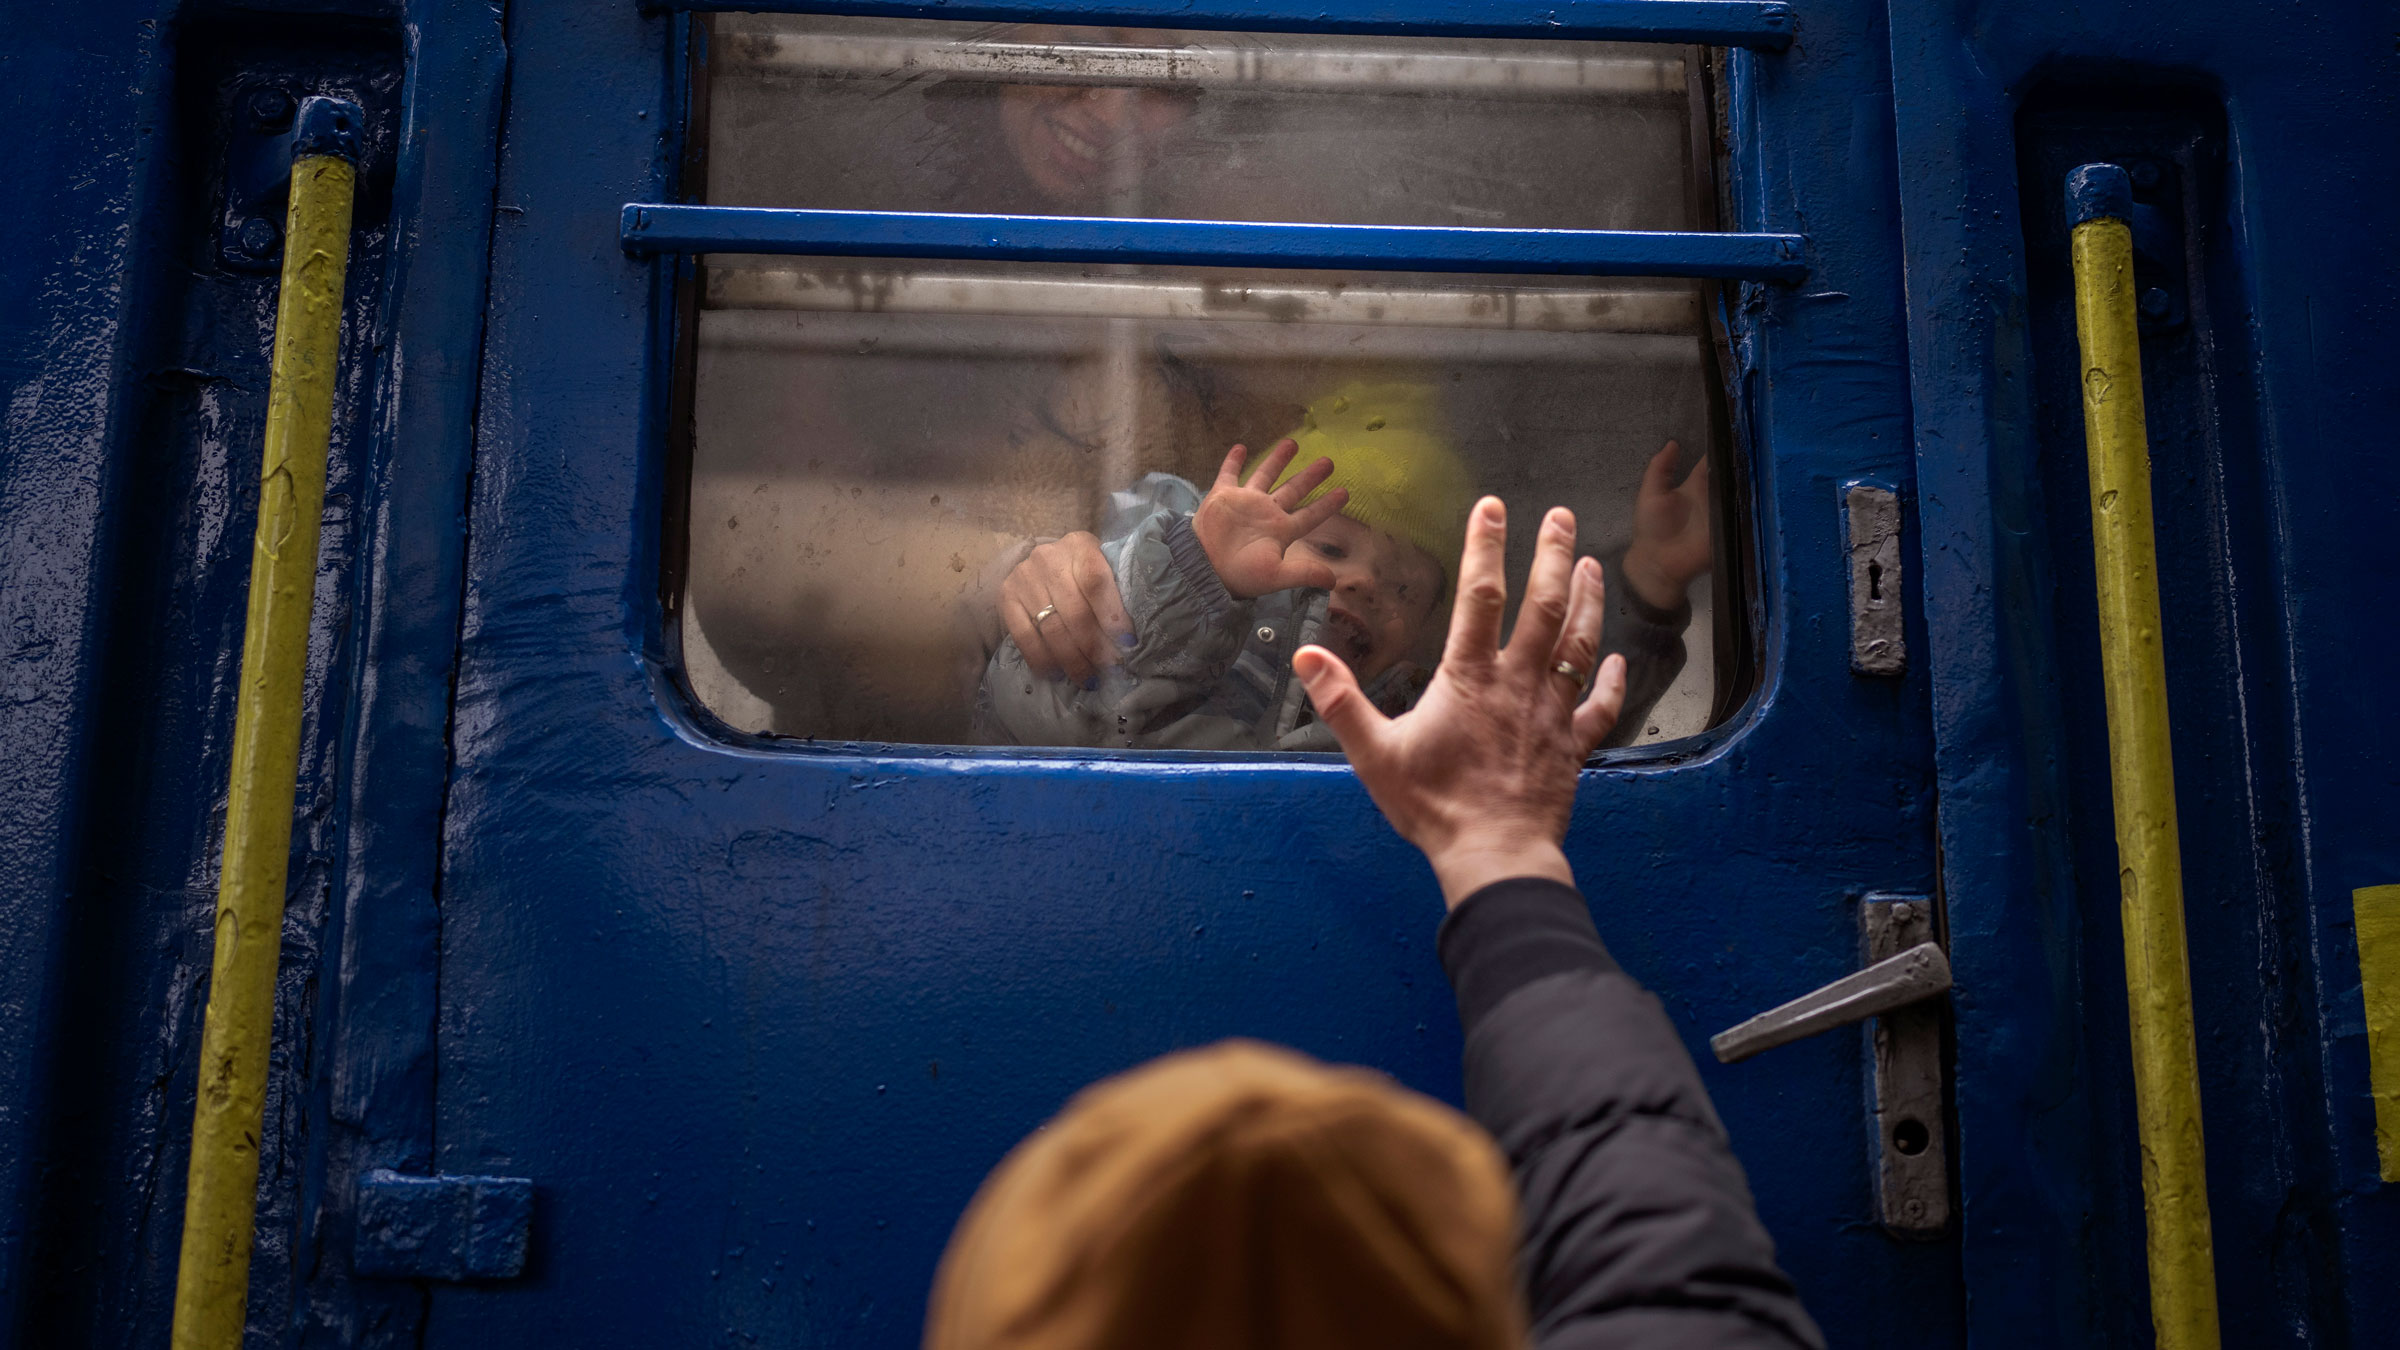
pixel 651 227
pixel 1765 24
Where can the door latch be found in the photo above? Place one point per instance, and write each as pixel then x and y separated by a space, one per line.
pixel 1906 970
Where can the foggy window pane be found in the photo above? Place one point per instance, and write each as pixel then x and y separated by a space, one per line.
pixel 877 446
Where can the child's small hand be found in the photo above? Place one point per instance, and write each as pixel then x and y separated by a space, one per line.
pixel 1670 546
pixel 1248 531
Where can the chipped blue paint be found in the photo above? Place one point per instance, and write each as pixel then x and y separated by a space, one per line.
pixel 82 183
pixel 2260 420
pixel 373 1096
pixel 159 523
pixel 135 370
pixel 2098 192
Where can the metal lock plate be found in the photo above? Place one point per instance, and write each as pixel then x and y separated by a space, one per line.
pixel 1877 643
pixel 1910 1146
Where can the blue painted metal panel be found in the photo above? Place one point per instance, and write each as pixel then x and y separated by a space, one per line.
pixel 64 331
pixel 186 364
pixel 655 227
pixel 2281 742
pixel 1765 24
pixel 371 1101
pixel 134 360
pixel 758 1017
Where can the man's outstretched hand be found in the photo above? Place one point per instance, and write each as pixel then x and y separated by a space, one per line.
pixel 1481 773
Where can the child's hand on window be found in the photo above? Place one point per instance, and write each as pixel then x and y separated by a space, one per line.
pixel 1670 546
pixel 1248 531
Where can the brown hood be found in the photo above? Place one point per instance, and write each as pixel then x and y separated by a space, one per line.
pixel 1238 1197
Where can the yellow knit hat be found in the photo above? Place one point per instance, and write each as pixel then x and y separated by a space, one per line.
pixel 1389 447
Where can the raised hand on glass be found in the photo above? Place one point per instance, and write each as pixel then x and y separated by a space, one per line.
pixel 1481 773
pixel 1670 546
pixel 1248 527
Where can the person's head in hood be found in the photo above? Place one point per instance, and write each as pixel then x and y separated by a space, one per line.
pixel 1238 1197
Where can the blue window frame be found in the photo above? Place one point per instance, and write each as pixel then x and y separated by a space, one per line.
pixel 757 662
pixel 1764 24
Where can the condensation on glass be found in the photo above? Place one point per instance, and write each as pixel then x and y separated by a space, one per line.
pixel 875 445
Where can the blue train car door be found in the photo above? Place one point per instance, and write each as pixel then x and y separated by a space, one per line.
pixel 686 829
pixel 768 917
pixel 756 953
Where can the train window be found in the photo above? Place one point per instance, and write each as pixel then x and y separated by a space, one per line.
pixel 874 447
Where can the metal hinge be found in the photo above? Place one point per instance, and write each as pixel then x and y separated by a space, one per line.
pixel 442 1227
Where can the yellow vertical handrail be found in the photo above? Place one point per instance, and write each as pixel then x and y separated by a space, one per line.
pixel 2158 977
pixel 2375 918
pixel 212 1284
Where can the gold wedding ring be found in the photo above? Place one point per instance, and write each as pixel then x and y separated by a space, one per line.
pixel 1568 669
pixel 1046 612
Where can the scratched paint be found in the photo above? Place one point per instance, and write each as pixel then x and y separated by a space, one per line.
pixel 2158 979
pixel 213 1276
pixel 164 501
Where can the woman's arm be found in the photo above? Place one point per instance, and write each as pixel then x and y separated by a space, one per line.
pixel 1182 632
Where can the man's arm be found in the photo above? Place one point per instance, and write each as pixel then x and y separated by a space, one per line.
pixel 1639 1230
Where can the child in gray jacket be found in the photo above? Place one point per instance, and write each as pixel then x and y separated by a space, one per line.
pixel 1355 551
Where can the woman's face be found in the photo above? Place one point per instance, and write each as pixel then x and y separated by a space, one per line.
pixel 1067 137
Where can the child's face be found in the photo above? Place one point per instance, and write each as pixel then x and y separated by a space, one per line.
pixel 1385 594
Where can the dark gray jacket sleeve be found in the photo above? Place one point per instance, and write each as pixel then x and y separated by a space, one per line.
pixel 1639 1229
pixel 1650 640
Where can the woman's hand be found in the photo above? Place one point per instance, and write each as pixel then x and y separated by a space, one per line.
pixel 1248 530
pixel 1061 605
pixel 1481 773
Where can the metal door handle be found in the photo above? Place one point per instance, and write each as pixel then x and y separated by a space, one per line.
pixel 1895 982
pixel 1906 968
